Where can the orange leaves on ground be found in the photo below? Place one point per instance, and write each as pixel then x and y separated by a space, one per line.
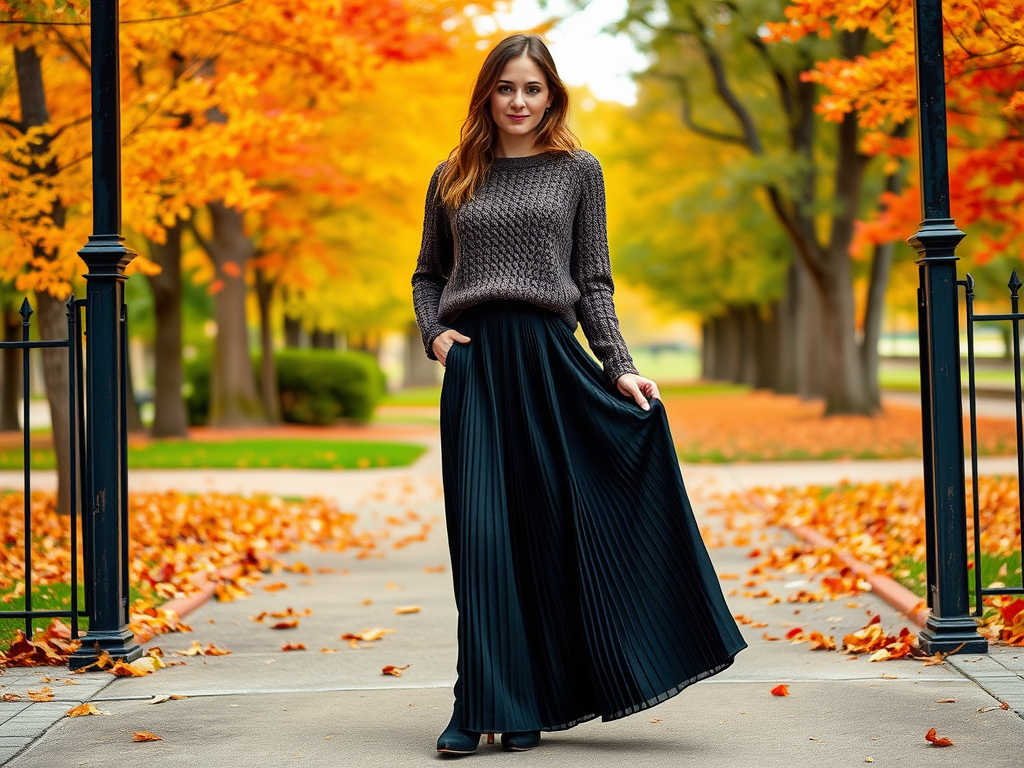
pixel 50 647
pixel 198 649
pixel 882 647
pixel 291 624
pixel 276 586
pixel 85 709
pixel 293 647
pixel 937 741
pixel 289 613
pixel 760 426
pixel 403 609
pixel 1006 622
pixel 43 694
pixel 780 690
pixel 176 540
pixel 145 736
pixel 433 569
pixel 394 671
pixel 366 636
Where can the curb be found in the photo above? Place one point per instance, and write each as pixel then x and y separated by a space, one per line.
pixel 883 585
pixel 887 588
pixel 183 606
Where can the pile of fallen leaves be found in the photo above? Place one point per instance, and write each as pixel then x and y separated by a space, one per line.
pixel 761 426
pixel 176 542
pixel 882 526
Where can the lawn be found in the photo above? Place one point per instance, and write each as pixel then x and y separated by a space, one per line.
pixel 726 425
pixel 262 453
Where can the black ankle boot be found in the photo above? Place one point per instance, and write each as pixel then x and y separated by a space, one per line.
pixel 520 742
pixel 455 740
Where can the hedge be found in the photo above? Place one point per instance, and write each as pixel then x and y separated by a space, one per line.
pixel 317 386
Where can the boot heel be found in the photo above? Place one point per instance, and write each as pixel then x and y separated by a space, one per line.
pixel 490 738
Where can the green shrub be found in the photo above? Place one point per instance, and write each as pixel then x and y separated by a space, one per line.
pixel 317 386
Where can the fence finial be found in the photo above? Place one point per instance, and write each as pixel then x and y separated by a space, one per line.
pixel 969 284
pixel 1014 284
pixel 25 311
pixel 69 306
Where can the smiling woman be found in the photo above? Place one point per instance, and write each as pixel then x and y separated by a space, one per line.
pixel 582 584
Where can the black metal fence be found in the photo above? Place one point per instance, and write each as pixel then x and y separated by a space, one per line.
pixel 1014 317
pixel 79 470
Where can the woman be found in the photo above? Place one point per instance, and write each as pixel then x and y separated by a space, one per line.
pixel 581 581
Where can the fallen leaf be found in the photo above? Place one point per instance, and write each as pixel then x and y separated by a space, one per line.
pixel 394 671
pixel 286 624
pixel 780 690
pixel 655 719
pixel 145 736
pixel 161 698
pixel 945 701
pixel 293 647
pixel 277 585
pixel 85 709
pixel 407 609
pixel 937 741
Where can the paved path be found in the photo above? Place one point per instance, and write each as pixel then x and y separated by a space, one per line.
pixel 263 706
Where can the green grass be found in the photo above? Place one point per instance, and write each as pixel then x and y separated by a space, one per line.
pixel 701 388
pixel 911 573
pixel 51 597
pixel 47 597
pixel 907 378
pixel 250 453
pixel 413 396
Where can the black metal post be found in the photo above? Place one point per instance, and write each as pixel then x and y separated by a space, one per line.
pixel 106 257
pixel 950 626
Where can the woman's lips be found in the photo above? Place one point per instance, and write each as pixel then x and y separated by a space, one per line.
pixel 517 118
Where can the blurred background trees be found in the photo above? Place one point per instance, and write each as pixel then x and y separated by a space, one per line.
pixel 276 156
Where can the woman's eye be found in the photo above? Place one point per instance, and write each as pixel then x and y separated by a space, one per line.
pixel 535 90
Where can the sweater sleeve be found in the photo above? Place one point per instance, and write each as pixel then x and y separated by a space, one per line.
pixel 429 280
pixel 592 272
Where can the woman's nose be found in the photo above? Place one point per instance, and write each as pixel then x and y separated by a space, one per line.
pixel 518 102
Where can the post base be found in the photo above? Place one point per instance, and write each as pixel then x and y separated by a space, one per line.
pixel 119 644
pixel 959 635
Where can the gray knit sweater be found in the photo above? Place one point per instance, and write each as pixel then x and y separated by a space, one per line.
pixel 535 231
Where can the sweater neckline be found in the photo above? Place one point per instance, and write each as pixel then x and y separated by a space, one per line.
pixel 525 161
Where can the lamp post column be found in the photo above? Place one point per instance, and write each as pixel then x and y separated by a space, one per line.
pixel 950 626
pixel 106 256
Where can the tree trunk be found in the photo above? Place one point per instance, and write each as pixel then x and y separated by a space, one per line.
pixel 170 418
pixel 811 367
pixel 292 332
pixel 268 369
pixel 52 313
pixel 10 376
pixel 420 370
pixel 786 315
pixel 719 328
pixel 881 265
pixel 707 348
pixel 324 339
pixel 766 348
pixel 131 403
pixel 53 324
pixel 748 344
pixel 234 401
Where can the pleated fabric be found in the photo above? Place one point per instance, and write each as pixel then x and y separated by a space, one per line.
pixel 582 584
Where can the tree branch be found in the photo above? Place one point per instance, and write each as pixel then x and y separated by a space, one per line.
pixel 185 15
pixel 687 113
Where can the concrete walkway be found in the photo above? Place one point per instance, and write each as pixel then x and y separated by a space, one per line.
pixel 263 706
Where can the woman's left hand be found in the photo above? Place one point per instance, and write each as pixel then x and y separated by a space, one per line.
pixel 639 388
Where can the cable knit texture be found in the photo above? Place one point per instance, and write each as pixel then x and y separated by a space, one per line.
pixel 536 231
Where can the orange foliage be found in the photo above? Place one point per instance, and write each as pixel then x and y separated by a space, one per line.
pixel 760 426
pixel 175 539
pixel 984 57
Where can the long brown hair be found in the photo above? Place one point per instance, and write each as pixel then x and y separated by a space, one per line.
pixel 468 163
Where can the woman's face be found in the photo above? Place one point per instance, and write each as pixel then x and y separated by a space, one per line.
pixel 520 97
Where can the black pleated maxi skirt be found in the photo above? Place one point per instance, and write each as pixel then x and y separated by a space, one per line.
pixel 582 584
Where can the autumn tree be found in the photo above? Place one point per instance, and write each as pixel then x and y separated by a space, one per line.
pixel 984 59
pixel 735 88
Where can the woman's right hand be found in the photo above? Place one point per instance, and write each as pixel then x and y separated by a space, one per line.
pixel 444 342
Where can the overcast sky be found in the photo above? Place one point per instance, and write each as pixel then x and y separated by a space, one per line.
pixel 583 54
